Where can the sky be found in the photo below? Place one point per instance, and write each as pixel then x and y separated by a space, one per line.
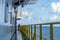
pixel 42 11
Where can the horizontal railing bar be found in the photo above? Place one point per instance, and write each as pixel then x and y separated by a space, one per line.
pixel 46 23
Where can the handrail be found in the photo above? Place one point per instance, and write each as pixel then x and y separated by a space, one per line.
pixel 34 36
pixel 32 33
pixel 44 23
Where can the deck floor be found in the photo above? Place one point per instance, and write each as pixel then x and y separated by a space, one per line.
pixel 19 35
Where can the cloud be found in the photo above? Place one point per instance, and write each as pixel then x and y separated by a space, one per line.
pixel 53 17
pixel 26 16
pixel 42 7
pixel 39 20
pixel 44 19
pixel 29 17
pixel 25 13
pixel 55 7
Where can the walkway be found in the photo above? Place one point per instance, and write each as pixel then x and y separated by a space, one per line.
pixel 19 35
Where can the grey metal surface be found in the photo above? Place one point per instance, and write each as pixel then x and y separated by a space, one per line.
pixel 6 32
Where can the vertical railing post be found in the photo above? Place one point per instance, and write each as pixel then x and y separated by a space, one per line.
pixel 51 31
pixel 34 36
pixel 35 32
pixel 31 32
pixel 27 31
pixel 40 31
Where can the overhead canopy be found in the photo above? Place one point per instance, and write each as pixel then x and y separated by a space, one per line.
pixel 15 2
pixel 22 2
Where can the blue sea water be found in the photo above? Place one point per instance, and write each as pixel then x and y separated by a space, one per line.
pixel 46 33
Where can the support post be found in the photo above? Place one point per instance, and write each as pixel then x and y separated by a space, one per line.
pixel 34 36
pixel 40 31
pixel 51 31
pixel 31 32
